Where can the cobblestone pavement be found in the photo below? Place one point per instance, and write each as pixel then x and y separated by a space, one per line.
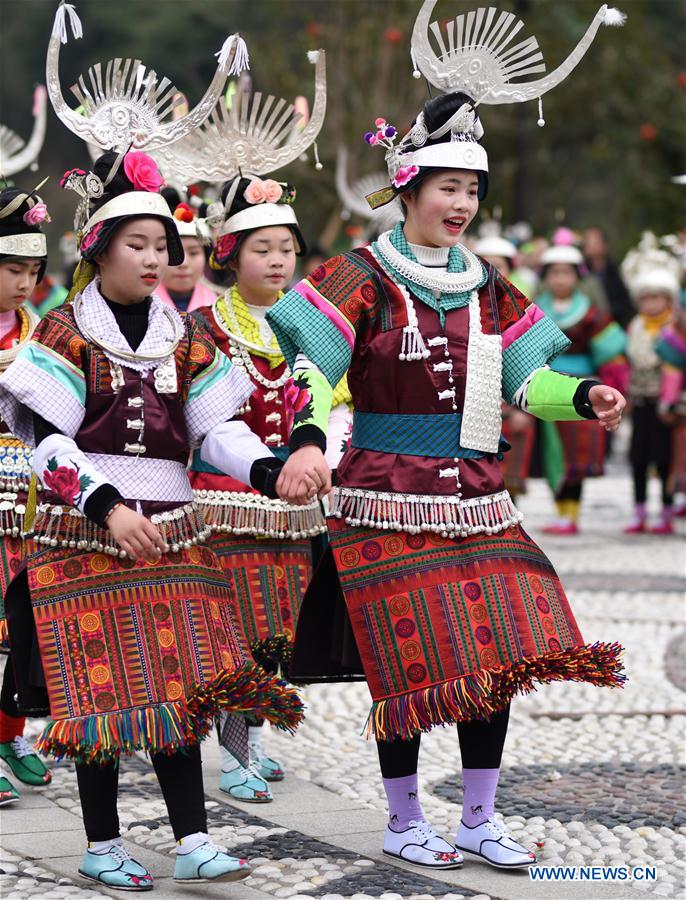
pixel 590 775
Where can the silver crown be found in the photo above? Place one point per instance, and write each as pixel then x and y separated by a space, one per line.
pixel 125 103
pixel 17 154
pixel 257 135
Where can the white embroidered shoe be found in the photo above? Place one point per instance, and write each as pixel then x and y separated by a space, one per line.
pixel 420 845
pixel 491 842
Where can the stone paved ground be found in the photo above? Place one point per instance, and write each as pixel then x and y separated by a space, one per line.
pixel 589 775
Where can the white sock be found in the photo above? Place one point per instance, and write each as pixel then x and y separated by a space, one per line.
pixel 229 761
pixel 191 842
pixel 255 741
pixel 104 846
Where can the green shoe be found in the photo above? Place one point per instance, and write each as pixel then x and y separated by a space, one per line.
pixel 268 768
pixel 24 763
pixel 115 868
pixel 246 785
pixel 209 863
pixel 8 792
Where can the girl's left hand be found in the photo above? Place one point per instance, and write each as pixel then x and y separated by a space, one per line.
pixel 608 404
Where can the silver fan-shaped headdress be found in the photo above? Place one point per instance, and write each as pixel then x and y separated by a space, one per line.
pixel 256 136
pixel 125 103
pixel 353 195
pixel 478 55
pixel 17 154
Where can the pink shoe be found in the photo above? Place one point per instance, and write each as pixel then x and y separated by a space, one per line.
pixel 663 527
pixel 635 526
pixel 561 527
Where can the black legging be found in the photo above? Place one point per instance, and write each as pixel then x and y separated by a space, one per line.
pixel 651 442
pixel 180 778
pixel 8 704
pixel 481 747
pixel 569 491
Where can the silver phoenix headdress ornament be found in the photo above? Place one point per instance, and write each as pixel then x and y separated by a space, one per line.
pixel 477 55
pixel 125 104
pixel 254 137
pixel 16 154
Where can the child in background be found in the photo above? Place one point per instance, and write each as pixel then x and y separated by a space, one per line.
pixel 654 290
pixel 573 451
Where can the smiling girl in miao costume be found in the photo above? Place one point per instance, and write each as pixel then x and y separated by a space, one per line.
pixel 133 619
pixel 455 609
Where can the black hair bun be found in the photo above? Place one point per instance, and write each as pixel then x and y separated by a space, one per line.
pixel 239 203
pixel 438 110
pixel 14 222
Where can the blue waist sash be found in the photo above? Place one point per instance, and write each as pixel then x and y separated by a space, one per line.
pixel 434 434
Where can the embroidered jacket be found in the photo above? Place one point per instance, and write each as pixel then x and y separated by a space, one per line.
pixel 226 503
pixel 132 429
pixel 409 464
pixel 15 457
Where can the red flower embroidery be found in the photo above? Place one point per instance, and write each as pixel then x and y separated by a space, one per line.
pixel 65 481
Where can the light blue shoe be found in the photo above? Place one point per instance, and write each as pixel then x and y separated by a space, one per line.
pixel 209 863
pixel 246 785
pixel 268 768
pixel 116 869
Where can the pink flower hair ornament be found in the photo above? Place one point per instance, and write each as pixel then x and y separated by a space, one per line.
pixel 36 215
pixel 142 172
pixel 259 191
pixel 404 175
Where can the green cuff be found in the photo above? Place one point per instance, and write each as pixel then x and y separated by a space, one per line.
pixel 312 403
pixel 551 396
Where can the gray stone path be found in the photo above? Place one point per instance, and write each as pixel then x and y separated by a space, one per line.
pixel 589 775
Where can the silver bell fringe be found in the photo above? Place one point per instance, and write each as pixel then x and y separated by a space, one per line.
pixel 449 516
pixel 11 515
pixel 235 512
pixel 56 526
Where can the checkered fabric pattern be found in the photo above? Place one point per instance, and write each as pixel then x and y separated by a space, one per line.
pixel 233 736
pixel 218 402
pixel 301 328
pixel 535 348
pixel 97 319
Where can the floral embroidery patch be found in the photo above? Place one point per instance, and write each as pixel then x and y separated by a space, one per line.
pixel 66 482
pixel 299 400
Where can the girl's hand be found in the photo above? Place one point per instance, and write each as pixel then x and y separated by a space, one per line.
pixel 305 475
pixel 608 404
pixel 135 534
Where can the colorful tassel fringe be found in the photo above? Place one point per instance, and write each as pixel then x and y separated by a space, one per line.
pixel 277 649
pixel 167 727
pixel 480 695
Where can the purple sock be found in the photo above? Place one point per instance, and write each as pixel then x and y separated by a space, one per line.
pixel 403 801
pixel 640 512
pixel 479 795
